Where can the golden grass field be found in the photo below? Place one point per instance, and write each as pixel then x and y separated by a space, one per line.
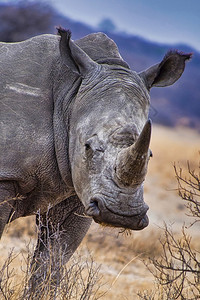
pixel 119 255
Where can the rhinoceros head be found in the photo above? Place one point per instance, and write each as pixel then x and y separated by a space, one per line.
pixel 110 134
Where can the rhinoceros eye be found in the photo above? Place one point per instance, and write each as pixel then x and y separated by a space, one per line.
pixel 87 146
pixel 93 145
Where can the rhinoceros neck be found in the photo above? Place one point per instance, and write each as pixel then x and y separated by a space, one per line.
pixel 99 47
pixel 113 61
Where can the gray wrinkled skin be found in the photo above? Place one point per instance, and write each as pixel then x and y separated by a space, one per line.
pixel 71 115
pixel 110 132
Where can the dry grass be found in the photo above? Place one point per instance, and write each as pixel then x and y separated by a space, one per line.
pixel 53 280
pixel 177 269
pixel 169 146
pixel 120 256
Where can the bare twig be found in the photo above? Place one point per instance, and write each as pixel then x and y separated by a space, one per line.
pixel 177 271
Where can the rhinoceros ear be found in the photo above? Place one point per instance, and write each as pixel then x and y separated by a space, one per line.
pixel 168 71
pixel 73 56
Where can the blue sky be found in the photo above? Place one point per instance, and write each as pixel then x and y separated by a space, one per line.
pixel 165 21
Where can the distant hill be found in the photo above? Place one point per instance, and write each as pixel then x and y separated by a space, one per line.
pixel 175 105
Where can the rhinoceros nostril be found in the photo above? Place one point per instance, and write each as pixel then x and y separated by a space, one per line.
pixel 95 203
pixel 93 208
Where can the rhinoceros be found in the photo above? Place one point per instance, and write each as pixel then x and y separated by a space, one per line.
pixel 75 133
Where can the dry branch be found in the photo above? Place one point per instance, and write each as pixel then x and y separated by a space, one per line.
pixel 177 271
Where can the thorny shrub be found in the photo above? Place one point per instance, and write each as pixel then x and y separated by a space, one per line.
pixel 177 271
pixel 20 20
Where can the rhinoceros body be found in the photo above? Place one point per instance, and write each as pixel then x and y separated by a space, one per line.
pixel 74 132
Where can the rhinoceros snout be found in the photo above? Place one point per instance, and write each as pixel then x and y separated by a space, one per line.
pixel 103 215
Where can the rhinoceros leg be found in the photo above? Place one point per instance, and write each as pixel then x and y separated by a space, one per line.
pixel 7 193
pixel 61 231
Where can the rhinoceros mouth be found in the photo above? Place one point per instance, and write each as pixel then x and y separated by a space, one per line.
pixel 127 222
pixel 136 212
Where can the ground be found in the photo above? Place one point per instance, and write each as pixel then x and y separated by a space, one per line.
pixel 120 254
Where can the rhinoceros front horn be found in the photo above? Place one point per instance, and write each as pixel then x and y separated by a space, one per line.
pixel 131 166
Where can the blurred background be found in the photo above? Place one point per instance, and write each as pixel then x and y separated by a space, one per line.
pixel 144 31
